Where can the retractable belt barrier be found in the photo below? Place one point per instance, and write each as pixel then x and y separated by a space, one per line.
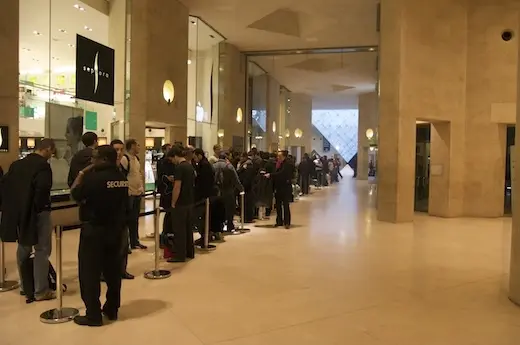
pixel 60 314
pixel 157 273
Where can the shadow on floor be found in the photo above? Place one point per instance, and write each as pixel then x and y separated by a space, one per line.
pixel 271 226
pixel 141 308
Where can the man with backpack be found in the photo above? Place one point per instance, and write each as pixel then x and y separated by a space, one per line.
pixel 131 168
pixel 82 158
pixel 204 188
pixel 227 181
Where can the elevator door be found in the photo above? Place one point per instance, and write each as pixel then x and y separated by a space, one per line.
pixel 422 168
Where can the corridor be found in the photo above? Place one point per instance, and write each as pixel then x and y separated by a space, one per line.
pixel 338 277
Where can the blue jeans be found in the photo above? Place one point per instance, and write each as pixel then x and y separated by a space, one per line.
pixel 42 252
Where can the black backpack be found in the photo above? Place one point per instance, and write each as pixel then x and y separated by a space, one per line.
pixel 226 179
pixel 127 170
pixel 27 272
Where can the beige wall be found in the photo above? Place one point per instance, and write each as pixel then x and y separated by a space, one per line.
pixel 9 37
pixel 368 118
pixel 232 95
pixel 444 62
pixel 159 52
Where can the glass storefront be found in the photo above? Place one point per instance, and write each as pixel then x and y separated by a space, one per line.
pixel 203 85
pixel 258 106
pixel 47 84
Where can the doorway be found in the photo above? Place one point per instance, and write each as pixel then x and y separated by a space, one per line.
pixel 422 167
pixel 510 143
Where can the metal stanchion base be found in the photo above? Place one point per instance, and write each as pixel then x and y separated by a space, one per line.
pixel 210 248
pixel 244 230
pixel 62 315
pixel 158 274
pixel 8 285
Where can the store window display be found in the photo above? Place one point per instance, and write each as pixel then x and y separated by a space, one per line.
pixel 203 84
pixel 258 101
pixel 47 84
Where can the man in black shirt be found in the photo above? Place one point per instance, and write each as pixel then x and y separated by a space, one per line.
pixel 82 158
pixel 26 215
pixel 182 205
pixel 102 190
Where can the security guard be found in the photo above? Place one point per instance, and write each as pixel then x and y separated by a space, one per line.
pixel 102 190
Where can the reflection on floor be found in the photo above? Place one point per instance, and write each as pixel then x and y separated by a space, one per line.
pixel 340 278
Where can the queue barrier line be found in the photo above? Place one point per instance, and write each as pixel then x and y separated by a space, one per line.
pixel 59 314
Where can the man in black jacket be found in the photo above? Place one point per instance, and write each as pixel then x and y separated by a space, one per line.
pixel 204 188
pixel 305 170
pixel 82 158
pixel 247 173
pixel 283 189
pixel 26 218
pixel 102 189
pixel 163 165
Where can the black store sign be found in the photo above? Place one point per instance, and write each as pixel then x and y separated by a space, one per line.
pixel 4 138
pixel 94 71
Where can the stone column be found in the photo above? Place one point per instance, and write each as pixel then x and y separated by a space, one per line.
pixel 232 95
pixel 514 267
pixel 158 52
pixel 300 117
pixel 9 41
pixel 368 118
pixel 273 112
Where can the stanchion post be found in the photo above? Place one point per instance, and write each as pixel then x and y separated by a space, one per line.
pixel 206 246
pixel 157 273
pixel 60 314
pixel 5 285
pixel 242 212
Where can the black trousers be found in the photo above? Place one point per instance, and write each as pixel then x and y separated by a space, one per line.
pixel 306 180
pixel 99 254
pixel 124 250
pixel 283 210
pixel 133 219
pixel 249 207
pixel 181 220
pixel 230 207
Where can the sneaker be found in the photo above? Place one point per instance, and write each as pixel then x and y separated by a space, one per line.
pixel 85 321
pixel 46 296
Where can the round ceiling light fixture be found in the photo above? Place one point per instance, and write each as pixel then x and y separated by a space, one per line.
pixel 168 91
pixel 369 133
pixel 287 133
pixel 239 115
pixel 298 133
pixel 274 126
pixel 220 133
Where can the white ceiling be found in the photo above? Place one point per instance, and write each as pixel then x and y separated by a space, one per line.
pixel 47 18
pixel 265 25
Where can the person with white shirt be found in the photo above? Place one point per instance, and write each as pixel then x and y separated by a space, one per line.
pixel 131 167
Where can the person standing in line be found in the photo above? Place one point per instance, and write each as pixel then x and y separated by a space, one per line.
pixel 305 171
pixel 119 146
pixel 26 218
pixel 204 188
pixel 181 208
pixel 82 158
pixel 103 191
pixel 247 173
pixel 228 183
pixel 217 149
pixel 131 167
pixel 162 165
pixel 283 189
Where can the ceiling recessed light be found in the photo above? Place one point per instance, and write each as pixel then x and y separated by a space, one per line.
pixel 71 45
pixel 371 49
pixel 87 28
pixel 62 30
pixel 211 36
pixel 78 7
pixel 37 33
pixel 194 22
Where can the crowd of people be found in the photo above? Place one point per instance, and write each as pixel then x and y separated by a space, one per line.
pixel 107 183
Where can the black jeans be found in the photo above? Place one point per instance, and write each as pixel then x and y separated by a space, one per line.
pixel 99 254
pixel 124 250
pixel 133 219
pixel 230 206
pixel 306 180
pixel 181 220
pixel 283 210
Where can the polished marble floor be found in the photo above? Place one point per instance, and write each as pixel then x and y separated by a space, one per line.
pixel 340 277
